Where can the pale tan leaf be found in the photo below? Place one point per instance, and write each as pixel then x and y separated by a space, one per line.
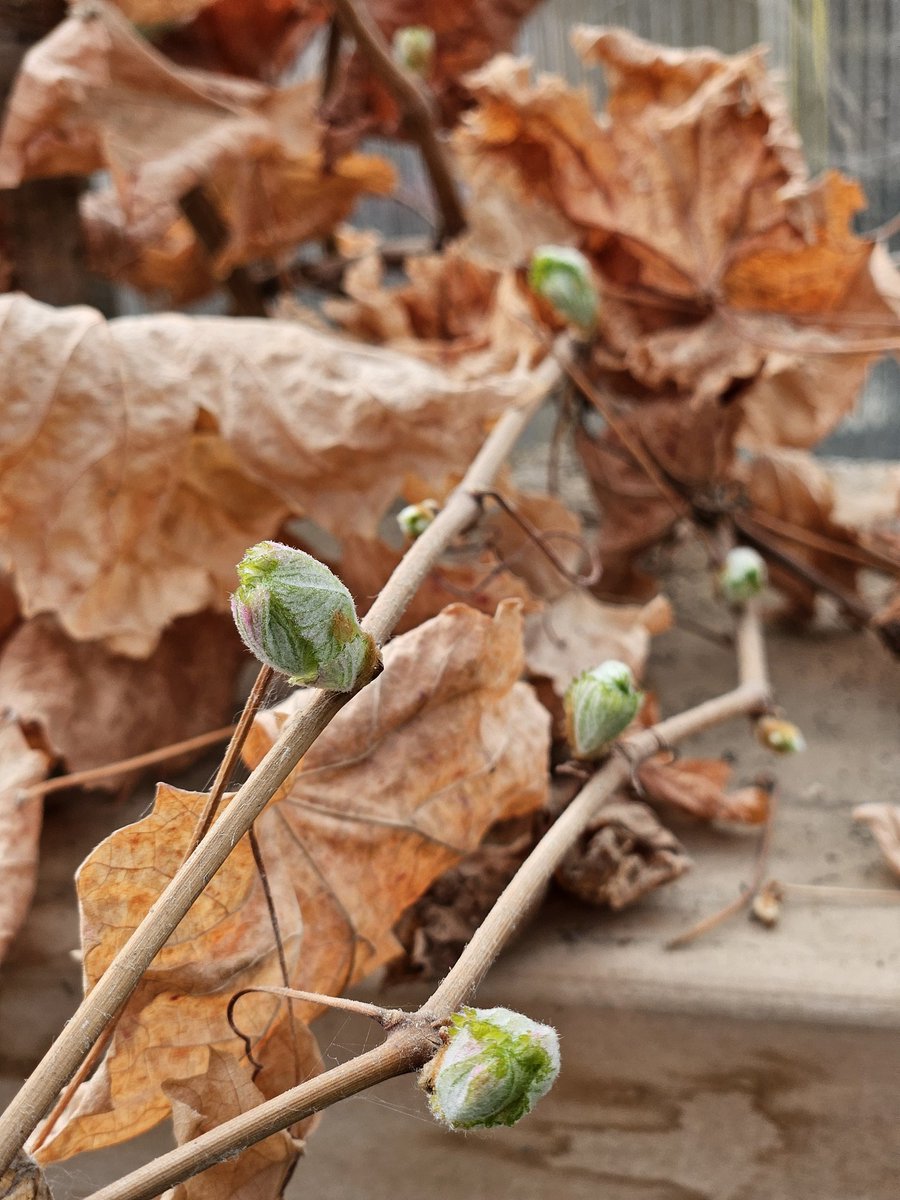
pixel 141 456
pixel 20 826
pixel 94 96
pixel 89 707
pixel 623 854
pixel 698 786
pixel 223 1091
pixel 402 784
pixel 577 632
pixel 884 822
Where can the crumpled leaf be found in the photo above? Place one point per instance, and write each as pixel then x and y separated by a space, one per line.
pixel 794 490
pixel 738 306
pixel 884 822
pixel 434 930
pixel 141 456
pixel 21 764
pixel 223 1091
pixel 402 784
pixel 88 707
pixel 698 786
pixel 75 705
pixel 624 853
pixel 451 310
pixel 24 1180
pixel 94 96
pixel 577 632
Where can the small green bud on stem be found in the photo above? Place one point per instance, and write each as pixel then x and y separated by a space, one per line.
pixel 598 705
pixel 414 48
pixel 782 737
pixel 494 1067
pixel 295 615
pixel 743 576
pixel 563 277
pixel 415 518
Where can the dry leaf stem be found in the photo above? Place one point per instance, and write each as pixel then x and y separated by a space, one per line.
pixel 112 991
pixel 416 109
pixel 412 1044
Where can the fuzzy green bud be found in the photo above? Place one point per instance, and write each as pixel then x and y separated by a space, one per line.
pixel 563 277
pixel 294 614
pixel 598 705
pixel 743 576
pixel 415 518
pixel 781 737
pixel 494 1067
pixel 414 48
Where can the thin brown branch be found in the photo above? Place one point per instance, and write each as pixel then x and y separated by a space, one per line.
pixel 541 539
pixel 746 898
pixel 109 770
pixel 414 1041
pixel 865 556
pixel 417 110
pixel 113 989
pixel 231 755
pixel 212 233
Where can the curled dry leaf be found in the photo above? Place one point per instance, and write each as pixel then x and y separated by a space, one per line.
pixel 74 704
pixel 577 632
pixel 884 822
pixel 698 786
pixel 94 96
pixel 24 1180
pixel 21 764
pixel 624 853
pixel 225 1090
pixel 402 784
pixel 141 456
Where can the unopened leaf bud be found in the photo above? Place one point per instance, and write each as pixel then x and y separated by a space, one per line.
pixel 415 518
pixel 743 576
pixel 414 48
pixel 294 614
pixel 563 277
pixel 598 705
pixel 494 1067
pixel 782 737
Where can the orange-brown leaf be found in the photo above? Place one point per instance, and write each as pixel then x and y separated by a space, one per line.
pixel 403 783
pixel 21 764
pixel 699 787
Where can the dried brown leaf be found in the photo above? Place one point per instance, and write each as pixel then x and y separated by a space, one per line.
pixel 24 1180
pixel 401 785
pixel 698 786
pixel 94 96
pixel 223 1091
pixel 884 822
pixel 141 456
pixel 624 853
pixel 21 764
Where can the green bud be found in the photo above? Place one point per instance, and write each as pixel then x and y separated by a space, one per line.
pixel 598 705
pixel 782 737
pixel 294 614
pixel 415 518
pixel 414 48
pixel 495 1066
pixel 563 277
pixel 743 576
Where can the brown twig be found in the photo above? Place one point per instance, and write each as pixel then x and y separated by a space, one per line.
pixel 231 755
pixel 150 758
pixel 415 1039
pixel 212 233
pixel 540 538
pixel 865 556
pixel 745 899
pixel 123 974
pixel 417 110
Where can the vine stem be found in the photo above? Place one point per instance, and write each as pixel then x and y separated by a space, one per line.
pixel 416 107
pixel 414 1041
pixel 123 974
